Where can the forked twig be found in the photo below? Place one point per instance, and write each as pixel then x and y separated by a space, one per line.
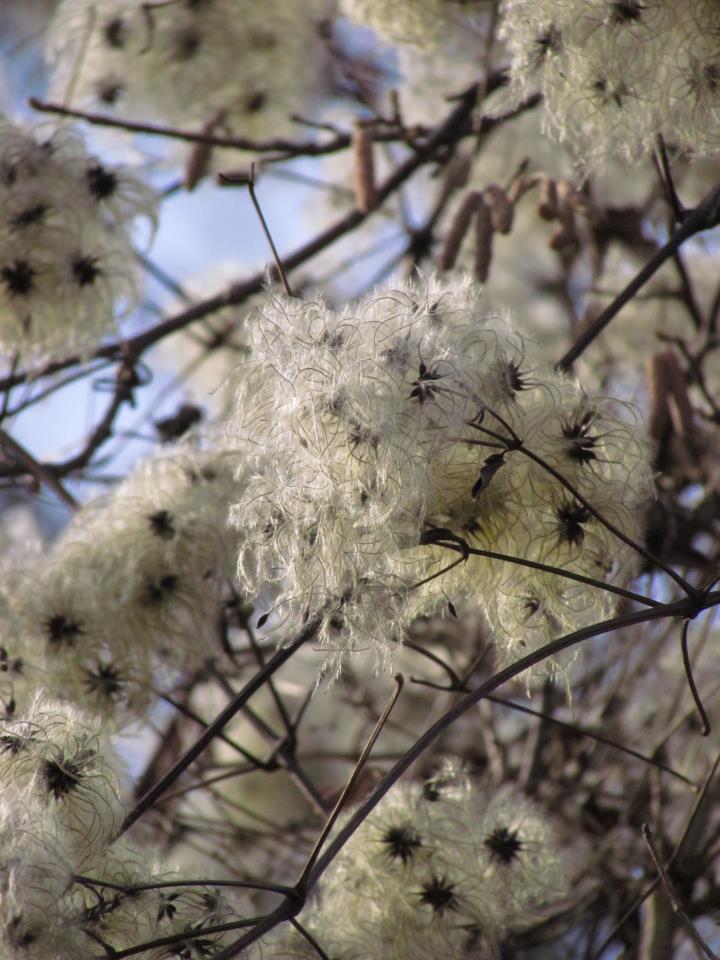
pixel 337 809
pixel 248 180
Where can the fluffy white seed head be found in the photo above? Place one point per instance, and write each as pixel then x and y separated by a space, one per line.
pixel 377 431
pixel 66 264
pixel 57 760
pixel 434 871
pixel 616 73
pixel 186 63
pixel 421 23
pixel 132 589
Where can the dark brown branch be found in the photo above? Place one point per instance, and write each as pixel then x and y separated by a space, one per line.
pixel 687 665
pixel 705 216
pixel 30 465
pixel 306 148
pixel 248 180
pixel 290 908
pixel 222 719
pixel 455 126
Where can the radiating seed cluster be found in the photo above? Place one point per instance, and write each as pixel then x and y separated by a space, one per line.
pixel 385 441
pixel 617 73
pixel 135 584
pixel 66 263
pixel 136 909
pixel 435 871
pixel 243 65
pixel 54 756
pixel 60 814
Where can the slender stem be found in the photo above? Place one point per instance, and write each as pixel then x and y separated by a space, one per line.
pixel 673 897
pixel 6 395
pixel 703 217
pixel 638 547
pixel 223 718
pixel 347 789
pixel 304 148
pixel 228 179
pixel 459 686
pixel 164 884
pixel 461 545
pixel 290 908
pixel 191 715
pixel 38 470
pixel 592 735
pixel 668 182
pixel 696 807
pixel 200 934
pixel 515 443
pixel 691 679
pixel 310 939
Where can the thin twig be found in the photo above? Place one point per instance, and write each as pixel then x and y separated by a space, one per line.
pixel 291 908
pixel 223 718
pixel 456 685
pixel 200 934
pixel 442 537
pixel 279 144
pixel 352 780
pixel 638 902
pixel 6 395
pixel 668 182
pixel 248 180
pixel 191 715
pixel 673 897
pixel 514 442
pixel 310 938
pixel 703 217
pixel 691 679
pixel 194 882
pixel 38 470
pixel 592 735
pixel 452 128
